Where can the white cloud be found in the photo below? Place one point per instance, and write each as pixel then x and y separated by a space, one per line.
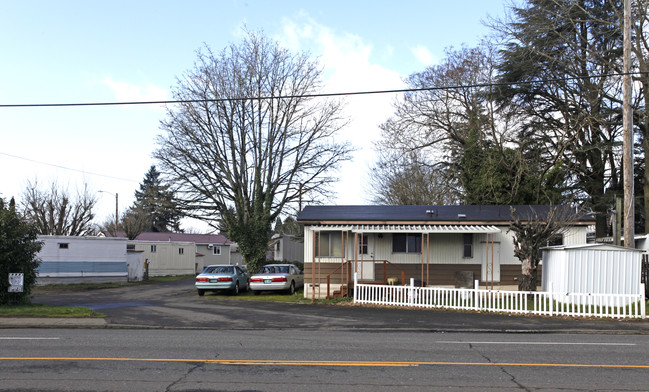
pixel 128 92
pixel 423 55
pixel 348 67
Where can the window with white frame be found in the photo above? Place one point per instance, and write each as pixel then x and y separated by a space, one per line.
pixel 181 251
pixel 153 248
pixel 216 250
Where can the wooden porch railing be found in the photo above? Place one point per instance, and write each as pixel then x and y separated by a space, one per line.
pixel 346 279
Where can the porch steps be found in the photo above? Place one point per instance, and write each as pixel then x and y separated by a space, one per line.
pixel 335 291
pixel 340 293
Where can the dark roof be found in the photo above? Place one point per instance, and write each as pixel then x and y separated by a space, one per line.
pixel 447 213
pixel 183 237
pixel 217 239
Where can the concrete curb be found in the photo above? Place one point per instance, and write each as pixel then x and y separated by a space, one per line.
pixel 52 322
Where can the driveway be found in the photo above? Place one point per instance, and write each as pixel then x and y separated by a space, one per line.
pixel 176 305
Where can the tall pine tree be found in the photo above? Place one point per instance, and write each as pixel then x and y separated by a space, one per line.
pixel 157 203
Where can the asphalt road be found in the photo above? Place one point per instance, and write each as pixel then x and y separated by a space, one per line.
pixel 317 360
pixel 176 305
pixel 164 337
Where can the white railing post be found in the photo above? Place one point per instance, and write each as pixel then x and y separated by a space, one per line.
pixel 643 307
pixel 551 301
pixel 355 287
pixel 411 291
pixel 476 295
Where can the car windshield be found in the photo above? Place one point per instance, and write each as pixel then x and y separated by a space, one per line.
pixel 218 269
pixel 274 269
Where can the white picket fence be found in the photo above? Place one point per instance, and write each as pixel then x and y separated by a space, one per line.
pixel 527 302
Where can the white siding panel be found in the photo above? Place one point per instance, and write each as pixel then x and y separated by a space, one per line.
pixel 591 270
pixel 82 248
pixel 167 260
pixel 575 235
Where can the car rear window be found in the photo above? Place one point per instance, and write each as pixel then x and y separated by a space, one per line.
pixel 219 270
pixel 274 270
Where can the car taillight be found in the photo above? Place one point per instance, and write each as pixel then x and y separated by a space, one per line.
pixel 282 279
pixel 202 279
pixel 256 280
pixel 225 279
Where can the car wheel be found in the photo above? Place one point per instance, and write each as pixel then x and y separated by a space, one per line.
pixel 201 292
pixel 235 291
pixel 291 290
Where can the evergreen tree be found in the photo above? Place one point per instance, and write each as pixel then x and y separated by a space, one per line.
pixel 157 203
pixel 558 67
pixel 18 253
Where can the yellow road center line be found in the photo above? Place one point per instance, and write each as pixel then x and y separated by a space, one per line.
pixel 324 363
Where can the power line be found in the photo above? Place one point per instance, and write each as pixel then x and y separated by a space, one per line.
pixel 67 168
pixel 320 95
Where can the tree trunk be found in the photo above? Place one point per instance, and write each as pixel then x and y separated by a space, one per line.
pixel 528 276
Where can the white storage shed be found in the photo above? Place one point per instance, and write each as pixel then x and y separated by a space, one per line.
pixel 591 269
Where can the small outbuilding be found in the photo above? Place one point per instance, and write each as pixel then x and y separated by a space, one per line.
pixel 592 269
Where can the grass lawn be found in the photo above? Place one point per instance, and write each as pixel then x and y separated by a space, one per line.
pixel 37 310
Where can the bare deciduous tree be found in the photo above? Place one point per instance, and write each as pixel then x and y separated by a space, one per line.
pixel 454 126
pixel 246 135
pixel 56 212
pixel 407 180
pixel 135 221
pixel 534 230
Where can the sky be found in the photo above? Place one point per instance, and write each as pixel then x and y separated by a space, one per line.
pixel 116 51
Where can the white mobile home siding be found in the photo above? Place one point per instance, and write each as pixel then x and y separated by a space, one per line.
pixel 290 249
pixel 68 259
pixel 167 259
pixel 444 248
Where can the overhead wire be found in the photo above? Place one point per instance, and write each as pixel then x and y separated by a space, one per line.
pixel 68 168
pixel 318 95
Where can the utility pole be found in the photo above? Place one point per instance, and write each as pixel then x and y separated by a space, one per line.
pixel 116 206
pixel 116 210
pixel 627 122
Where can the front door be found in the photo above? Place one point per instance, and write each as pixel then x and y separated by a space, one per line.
pixel 491 262
pixel 365 268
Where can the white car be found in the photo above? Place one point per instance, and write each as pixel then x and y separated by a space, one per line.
pixel 277 277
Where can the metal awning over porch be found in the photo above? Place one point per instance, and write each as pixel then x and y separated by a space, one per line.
pixel 424 229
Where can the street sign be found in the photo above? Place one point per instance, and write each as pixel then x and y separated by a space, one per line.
pixel 16 283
